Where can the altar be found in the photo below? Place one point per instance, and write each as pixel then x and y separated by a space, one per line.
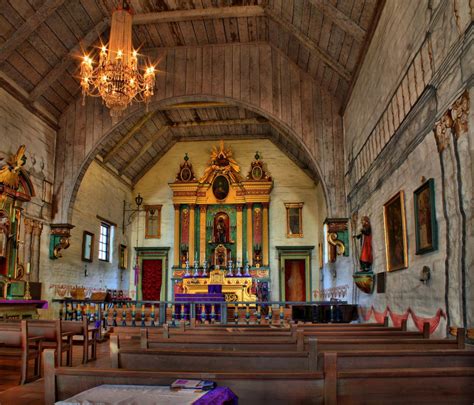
pixel 234 288
pixel 222 225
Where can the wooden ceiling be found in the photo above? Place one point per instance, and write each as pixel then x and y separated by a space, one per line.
pixel 41 41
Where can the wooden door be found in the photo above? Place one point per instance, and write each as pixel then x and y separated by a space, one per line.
pixel 152 275
pixel 295 280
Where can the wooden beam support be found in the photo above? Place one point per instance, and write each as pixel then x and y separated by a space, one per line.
pixel 198 14
pixel 145 147
pixel 310 45
pixel 22 33
pixel 129 135
pixel 55 73
pixel 340 19
pixel 196 105
pixel 210 123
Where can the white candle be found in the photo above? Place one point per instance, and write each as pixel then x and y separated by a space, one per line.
pixel 28 268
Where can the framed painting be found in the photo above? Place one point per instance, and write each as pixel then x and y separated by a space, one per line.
pixel 153 222
pixel 395 232
pixel 426 228
pixel 87 246
pixel 123 257
pixel 294 220
pixel 221 187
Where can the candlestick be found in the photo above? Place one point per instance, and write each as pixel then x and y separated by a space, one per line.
pixel 28 268
pixel 204 268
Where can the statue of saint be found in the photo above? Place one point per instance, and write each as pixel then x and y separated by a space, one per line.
pixel 221 231
pixel 366 257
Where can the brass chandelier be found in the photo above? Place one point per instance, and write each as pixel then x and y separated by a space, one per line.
pixel 116 78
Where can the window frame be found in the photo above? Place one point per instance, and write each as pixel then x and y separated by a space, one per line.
pixel 108 242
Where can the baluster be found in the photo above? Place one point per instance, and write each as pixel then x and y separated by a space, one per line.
pixel 282 315
pixel 270 314
pixel 134 314
pixel 69 312
pixel 143 316
pixel 114 314
pixel 259 315
pixel 61 306
pixel 88 311
pixel 236 315
pixel 173 315
pixel 247 313
pixel 213 313
pixel 106 315
pixel 78 312
pixel 152 315
pixel 124 315
pixel 203 313
pixel 183 319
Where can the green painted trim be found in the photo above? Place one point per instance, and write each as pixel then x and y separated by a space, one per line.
pixel 157 253
pixel 295 253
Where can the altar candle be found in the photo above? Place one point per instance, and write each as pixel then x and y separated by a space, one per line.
pixel 28 268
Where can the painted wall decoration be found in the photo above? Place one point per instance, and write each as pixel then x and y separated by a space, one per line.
pixel 395 232
pixel 426 229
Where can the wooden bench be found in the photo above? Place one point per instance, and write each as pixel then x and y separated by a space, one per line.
pixel 333 386
pixel 192 359
pixel 15 342
pixel 87 332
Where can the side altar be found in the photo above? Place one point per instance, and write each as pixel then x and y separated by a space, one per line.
pixel 222 227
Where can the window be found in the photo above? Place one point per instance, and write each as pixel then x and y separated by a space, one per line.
pixel 153 221
pixel 104 242
pixel 294 220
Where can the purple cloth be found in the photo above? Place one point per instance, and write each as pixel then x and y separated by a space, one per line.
pixel 218 396
pixel 39 303
pixel 214 288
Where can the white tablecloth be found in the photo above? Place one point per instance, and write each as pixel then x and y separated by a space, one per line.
pixel 133 395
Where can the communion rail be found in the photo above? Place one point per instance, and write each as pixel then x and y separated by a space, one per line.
pixel 157 313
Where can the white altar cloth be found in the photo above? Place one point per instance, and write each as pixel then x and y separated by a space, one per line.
pixel 133 395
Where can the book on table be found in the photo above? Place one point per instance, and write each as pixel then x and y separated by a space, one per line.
pixel 203 385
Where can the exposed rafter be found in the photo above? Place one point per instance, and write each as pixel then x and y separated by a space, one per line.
pixel 310 45
pixel 22 33
pixel 129 135
pixel 67 59
pixel 198 14
pixel 161 132
pixel 209 123
pixel 340 19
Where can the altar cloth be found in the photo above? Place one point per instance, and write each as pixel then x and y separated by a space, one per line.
pixel 149 395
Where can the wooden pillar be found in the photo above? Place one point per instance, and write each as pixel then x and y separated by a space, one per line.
pixel 176 235
pixel 265 244
pixel 35 250
pixel 202 233
pixel 192 253
pixel 249 234
pixel 239 234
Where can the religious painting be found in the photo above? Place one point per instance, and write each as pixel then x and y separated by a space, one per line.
pixel 87 246
pixel 47 192
pixel 426 229
pixel 294 220
pixel 221 228
pixel 123 257
pixel 220 187
pixel 153 221
pixel 395 232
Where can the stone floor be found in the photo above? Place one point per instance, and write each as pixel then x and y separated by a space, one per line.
pixel 11 393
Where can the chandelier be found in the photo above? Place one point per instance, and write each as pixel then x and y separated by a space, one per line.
pixel 116 78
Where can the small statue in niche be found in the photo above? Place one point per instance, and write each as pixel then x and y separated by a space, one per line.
pixel 221 231
pixel 366 257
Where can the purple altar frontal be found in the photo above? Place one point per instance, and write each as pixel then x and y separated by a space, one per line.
pixel 208 298
pixel 42 304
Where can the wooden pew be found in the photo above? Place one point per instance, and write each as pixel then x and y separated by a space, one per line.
pixel 434 385
pixel 251 387
pixel 15 342
pixel 89 334
pixel 211 360
pixel 383 359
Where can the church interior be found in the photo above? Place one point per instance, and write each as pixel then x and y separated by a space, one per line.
pixel 234 195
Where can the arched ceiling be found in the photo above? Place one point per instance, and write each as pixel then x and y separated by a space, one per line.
pixel 140 141
pixel 40 40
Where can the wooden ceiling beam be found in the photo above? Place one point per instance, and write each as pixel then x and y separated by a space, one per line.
pixel 129 135
pixel 209 123
pixel 55 73
pixel 161 132
pixel 198 14
pixel 22 33
pixel 340 19
pixel 195 105
pixel 310 45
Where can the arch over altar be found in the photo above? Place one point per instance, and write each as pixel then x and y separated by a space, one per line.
pixel 221 220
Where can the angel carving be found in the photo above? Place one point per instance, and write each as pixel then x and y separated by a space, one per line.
pixel 10 171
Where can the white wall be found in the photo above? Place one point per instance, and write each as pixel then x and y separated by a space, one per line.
pixel 291 184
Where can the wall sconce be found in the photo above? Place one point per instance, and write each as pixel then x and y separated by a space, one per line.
pixel 425 274
pixel 131 211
